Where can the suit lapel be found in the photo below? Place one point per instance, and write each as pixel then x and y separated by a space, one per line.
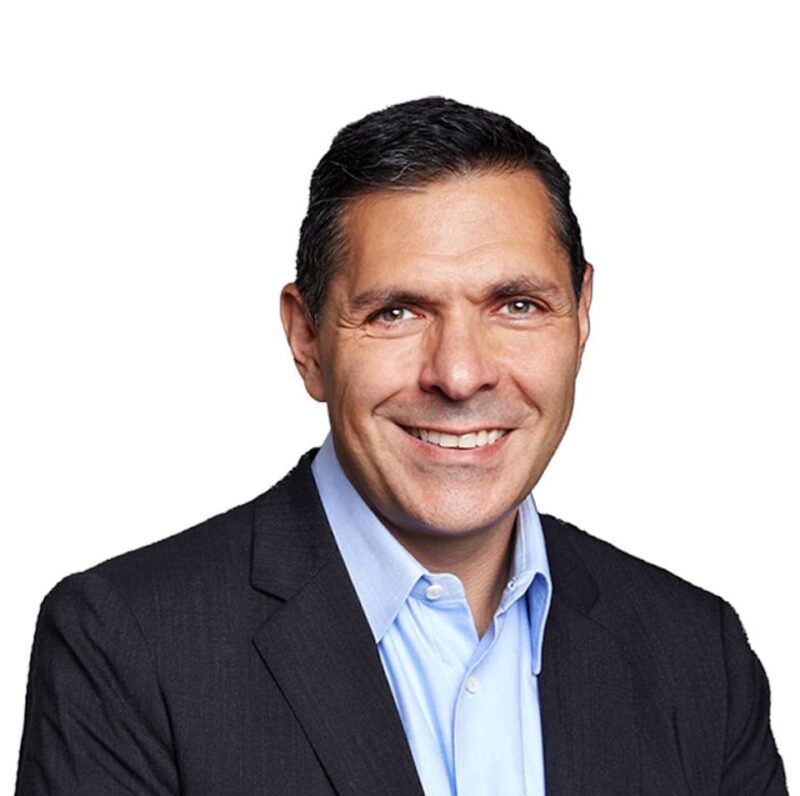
pixel 318 646
pixel 586 687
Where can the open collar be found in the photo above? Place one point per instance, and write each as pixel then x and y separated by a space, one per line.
pixel 384 573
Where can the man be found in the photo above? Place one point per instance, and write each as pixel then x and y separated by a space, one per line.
pixel 395 616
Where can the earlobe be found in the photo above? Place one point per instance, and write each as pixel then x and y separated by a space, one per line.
pixel 302 334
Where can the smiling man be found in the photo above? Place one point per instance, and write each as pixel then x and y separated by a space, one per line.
pixel 395 616
pixel 447 353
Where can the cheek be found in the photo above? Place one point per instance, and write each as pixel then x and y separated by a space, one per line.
pixel 545 371
pixel 364 375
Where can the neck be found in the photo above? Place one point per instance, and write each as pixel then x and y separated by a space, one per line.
pixel 481 562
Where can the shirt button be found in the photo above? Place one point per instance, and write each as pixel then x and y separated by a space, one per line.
pixel 472 684
pixel 434 591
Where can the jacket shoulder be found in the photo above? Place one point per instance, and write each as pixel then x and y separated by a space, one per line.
pixel 688 653
pixel 216 549
pixel 620 576
pixel 220 540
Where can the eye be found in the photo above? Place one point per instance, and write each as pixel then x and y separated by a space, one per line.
pixel 392 315
pixel 520 307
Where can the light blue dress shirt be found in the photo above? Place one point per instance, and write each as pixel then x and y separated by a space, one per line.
pixel 469 706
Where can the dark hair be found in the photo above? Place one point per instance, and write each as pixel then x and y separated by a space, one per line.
pixel 412 144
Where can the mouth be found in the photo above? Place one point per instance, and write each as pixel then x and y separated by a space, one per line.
pixel 469 440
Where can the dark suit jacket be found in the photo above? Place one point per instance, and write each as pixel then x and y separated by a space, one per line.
pixel 234 658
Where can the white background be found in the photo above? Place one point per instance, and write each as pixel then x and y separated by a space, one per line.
pixel 155 162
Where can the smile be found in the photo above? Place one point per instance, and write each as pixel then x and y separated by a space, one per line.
pixel 474 439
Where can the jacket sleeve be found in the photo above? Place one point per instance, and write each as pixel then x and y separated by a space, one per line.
pixel 95 719
pixel 752 764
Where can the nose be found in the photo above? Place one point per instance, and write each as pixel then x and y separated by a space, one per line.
pixel 459 360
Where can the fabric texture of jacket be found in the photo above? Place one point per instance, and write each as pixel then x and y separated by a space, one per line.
pixel 235 658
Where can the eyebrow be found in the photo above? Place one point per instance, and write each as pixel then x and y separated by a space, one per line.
pixel 524 285
pixel 507 288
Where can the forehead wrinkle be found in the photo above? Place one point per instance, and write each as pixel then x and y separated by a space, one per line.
pixel 390 251
pixel 521 251
pixel 520 259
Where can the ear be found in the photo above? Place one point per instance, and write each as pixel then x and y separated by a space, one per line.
pixel 302 335
pixel 584 302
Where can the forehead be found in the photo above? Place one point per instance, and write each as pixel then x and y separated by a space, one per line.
pixel 462 227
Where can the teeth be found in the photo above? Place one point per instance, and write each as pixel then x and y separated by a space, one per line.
pixel 474 439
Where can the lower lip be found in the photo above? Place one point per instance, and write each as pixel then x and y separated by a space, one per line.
pixel 457 455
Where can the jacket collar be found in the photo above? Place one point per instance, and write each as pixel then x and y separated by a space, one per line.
pixel 586 687
pixel 291 537
pixel 318 647
pixel 292 541
pixel 572 580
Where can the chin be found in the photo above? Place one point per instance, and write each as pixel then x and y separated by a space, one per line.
pixel 449 517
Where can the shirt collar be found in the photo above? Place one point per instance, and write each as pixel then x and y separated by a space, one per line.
pixel 384 572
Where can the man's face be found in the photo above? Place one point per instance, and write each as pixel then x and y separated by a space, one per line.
pixel 448 349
